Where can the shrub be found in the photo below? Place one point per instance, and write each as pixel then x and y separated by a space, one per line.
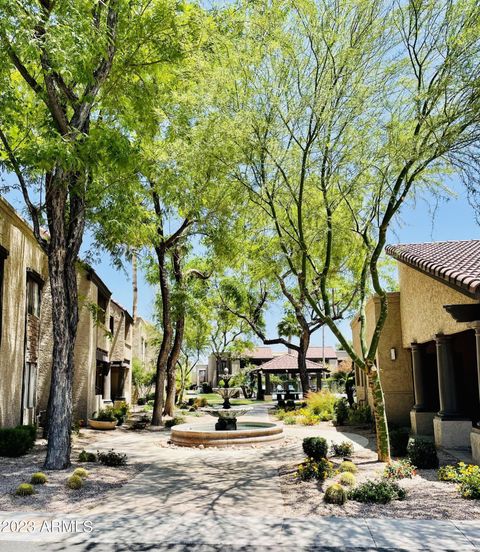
pixel 290 405
pixel 176 420
pixel 38 478
pixel 105 415
pixel 340 411
pixel 377 492
pixel 85 456
pixel 467 475
pixel 399 441
pixel 112 458
pixel 345 448
pixel 315 447
pixel 290 420
pixel 315 469
pixel 141 401
pixel 17 441
pixel 321 402
pixel 81 472
pixel 360 415
pixel 448 473
pixel 402 469
pixel 74 482
pixel 335 494
pixel 307 418
pixel 422 454
pixel 200 402
pixel 347 466
pixel 121 412
pixel 281 414
pixel 470 485
pixel 348 479
pixel 206 387
pixel 141 423
pixel 25 489
pixel 281 403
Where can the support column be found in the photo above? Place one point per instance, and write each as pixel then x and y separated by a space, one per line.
pixel 268 391
pixel 319 381
pixel 418 385
pixel 447 389
pixel 107 386
pixel 260 393
pixel 451 430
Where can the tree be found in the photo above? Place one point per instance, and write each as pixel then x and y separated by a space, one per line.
pixel 58 62
pixel 341 113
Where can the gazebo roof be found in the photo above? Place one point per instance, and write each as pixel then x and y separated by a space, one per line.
pixel 288 362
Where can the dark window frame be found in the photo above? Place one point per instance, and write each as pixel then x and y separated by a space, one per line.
pixel 3 257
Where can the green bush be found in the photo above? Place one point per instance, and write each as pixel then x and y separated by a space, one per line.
pixel 377 492
pixel 360 415
pixel 422 454
pixel 470 486
pixel 345 448
pixel 315 469
pixel 38 478
pixel 399 441
pixel 321 402
pixel 467 475
pixel 112 458
pixel 335 494
pixel 340 411
pixel 315 447
pixel 85 456
pixel 25 489
pixel 399 470
pixel 347 466
pixel 290 420
pixel 81 472
pixel 17 441
pixel 307 418
pixel 74 482
pixel 105 415
pixel 176 420
pixel 348 479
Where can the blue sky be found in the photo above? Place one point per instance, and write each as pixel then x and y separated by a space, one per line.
pixel 425 219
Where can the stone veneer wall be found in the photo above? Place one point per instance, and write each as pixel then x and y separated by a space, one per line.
pixel 422 303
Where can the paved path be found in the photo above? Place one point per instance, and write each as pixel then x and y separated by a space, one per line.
pixel 208 500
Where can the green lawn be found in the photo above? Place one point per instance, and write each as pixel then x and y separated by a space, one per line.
pixel 213 398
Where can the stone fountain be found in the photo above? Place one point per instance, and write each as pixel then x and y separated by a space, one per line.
pixel 227 431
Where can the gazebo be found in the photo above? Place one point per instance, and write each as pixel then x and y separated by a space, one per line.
pixel 286 365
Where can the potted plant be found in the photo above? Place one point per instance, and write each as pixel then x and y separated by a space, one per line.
pixel 103 419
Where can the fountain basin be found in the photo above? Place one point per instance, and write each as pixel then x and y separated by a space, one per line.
pixel 227 413
pixel 247 433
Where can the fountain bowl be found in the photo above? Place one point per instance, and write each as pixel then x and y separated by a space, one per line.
pixel 246 434
pixel 227 413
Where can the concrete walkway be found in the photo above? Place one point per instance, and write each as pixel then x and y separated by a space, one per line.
pixel 208 500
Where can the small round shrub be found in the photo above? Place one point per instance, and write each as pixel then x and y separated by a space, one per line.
pixel 81 472
pixel 112 458
pixel 38 478
pixel 422 454
pixel 348 479
pixel 315 469
pixel 399 441
pixel 85 456
pixel 75 482
pixel 25 489
pixel 345 448
pixel 347 466
pixel 176 420
pixel 335 494
pixel 315 447
pixel 399 470
pixel 377 492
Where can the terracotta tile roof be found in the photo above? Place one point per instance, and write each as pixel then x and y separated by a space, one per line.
pixel 456 263
pixel 266 353
pixel 287 361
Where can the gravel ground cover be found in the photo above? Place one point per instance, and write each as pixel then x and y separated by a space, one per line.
pixel 55 495
pixel 427 497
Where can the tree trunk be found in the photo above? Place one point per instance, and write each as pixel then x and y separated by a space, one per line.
pixel 65 242
pixel 166 344
pixel 302 361
pixel 381 426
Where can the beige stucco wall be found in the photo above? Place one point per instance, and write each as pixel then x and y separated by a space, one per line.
pixel 422 304
pixel 24 252
pixel 396 375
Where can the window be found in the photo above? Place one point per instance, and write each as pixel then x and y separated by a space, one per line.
pixel 112 325
pixel 33 296
pixel 102 308
pixel 29 385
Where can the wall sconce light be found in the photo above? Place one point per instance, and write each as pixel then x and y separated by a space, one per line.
pixel 393 354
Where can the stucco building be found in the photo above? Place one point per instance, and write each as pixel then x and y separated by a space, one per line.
pixel 103 348
pixel 429 354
